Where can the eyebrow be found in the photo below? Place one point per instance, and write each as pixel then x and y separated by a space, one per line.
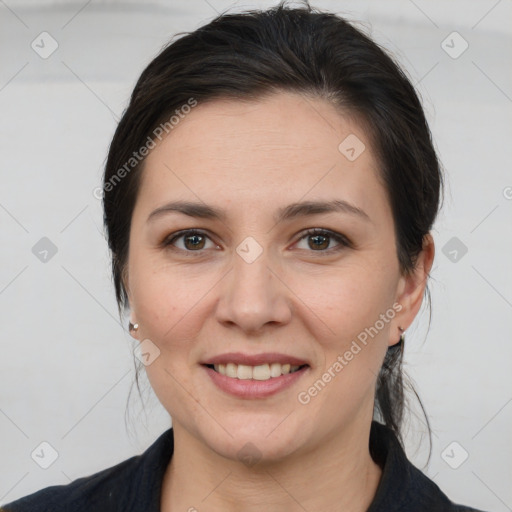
pixel 292 211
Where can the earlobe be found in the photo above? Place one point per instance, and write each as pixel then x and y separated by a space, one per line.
pixel 133 328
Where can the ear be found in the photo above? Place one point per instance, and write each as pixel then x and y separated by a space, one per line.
pixel 411 289
pixel 134 331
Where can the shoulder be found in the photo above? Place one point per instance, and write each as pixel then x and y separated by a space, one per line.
pixel 131 484
pixel 425 495
pixel 403 487
pixel 81 494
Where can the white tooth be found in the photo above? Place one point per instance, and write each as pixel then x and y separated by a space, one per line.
pixel 261 372
pixel 275 370
pixel 231 370
pixel 244 372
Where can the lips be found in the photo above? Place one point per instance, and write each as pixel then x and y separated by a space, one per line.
pixel 254 388
pixel 239 358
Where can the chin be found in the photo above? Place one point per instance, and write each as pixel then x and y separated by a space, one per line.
pixel 253 440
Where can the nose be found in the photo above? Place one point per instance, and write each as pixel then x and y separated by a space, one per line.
pixel 253 295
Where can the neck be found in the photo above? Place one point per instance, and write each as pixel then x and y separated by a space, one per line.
pixel 337 475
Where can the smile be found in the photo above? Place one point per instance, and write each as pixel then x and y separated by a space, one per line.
pixel 259 372
pixel 253 382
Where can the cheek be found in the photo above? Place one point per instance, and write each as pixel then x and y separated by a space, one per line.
pixel 350 310
pixel 164 294
pixel 170 306
pixel 346 299
pixel 352 348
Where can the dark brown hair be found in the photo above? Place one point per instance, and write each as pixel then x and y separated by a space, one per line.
pixel 244 56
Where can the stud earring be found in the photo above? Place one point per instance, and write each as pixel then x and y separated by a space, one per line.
pixel 132 327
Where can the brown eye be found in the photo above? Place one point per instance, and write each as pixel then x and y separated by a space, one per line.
pixel 319 240
pixel 194 242
pixel 189 241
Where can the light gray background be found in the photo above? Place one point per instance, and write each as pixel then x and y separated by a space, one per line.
pixel 66 361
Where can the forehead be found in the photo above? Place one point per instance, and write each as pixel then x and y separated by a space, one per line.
pixel 277 124
pixel 284 144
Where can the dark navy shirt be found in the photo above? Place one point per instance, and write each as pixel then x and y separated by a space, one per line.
pixel 135 484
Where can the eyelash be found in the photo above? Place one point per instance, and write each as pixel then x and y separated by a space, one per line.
pixel 343 241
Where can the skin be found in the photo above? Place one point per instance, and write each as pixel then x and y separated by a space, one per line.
pixel 252 159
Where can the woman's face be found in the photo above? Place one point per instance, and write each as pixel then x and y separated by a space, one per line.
pixel 252 281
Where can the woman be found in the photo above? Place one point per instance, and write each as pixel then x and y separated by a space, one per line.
pixel 268 196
